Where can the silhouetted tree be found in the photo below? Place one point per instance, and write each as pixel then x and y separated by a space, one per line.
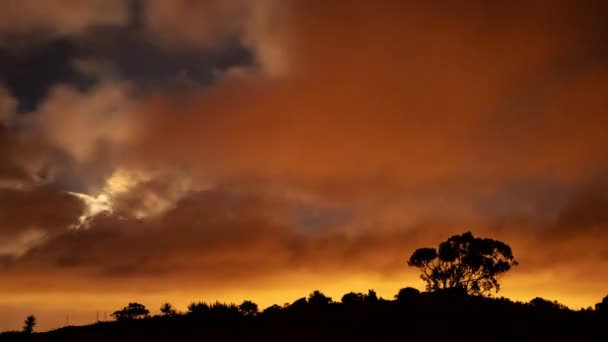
pixel 248 308
pixel 318 299
pixel 131 311
pixel 546 305
pixel 274 310
pixel 198 308
pixel 297 306
pixel 168 310
pixel 407 294
pixel 353 298
pixel 371 296
pixel 464 262
pixel 29 324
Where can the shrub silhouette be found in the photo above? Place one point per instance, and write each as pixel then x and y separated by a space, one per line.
pixel 353 298
pixel 131 312
pixel 299 305
pixel 464 262
pixel 248 308
pixel 29 324
pixel 198 308
pixel 168 310
pixel 273 311
pixel 546 305
pixel 407 294
pixel 316 298
pixel 371 296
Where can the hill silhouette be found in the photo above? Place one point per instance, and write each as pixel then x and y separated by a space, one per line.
pixel 459 274
pixel 360 317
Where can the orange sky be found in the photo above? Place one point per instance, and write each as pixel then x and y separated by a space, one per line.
pixel 346 135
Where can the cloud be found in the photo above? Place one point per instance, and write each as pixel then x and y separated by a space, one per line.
pixel 585 213
pixel 206 23
pixel 359 110
pixel 82 122
pixel 58 17
pixel 209 235
pixel 8 106
pixel 30 216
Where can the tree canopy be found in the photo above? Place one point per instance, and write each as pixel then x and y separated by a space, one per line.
pixel 407 294
pixel 198 308
pixel 318 298
pixel 168 310
pixel 131 311
pixel 464 262
pixel 248 308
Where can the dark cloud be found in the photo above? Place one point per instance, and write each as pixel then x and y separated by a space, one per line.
pixel 29 73
pixel 114 37
pixel 131 55
pixel 214 234
pixel 42 207
pixel 586 212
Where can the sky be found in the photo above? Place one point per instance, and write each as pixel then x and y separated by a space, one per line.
pixel 189 150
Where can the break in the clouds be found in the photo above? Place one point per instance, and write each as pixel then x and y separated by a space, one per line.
pixel 189 145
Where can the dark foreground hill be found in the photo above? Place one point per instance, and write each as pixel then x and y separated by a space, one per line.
pixel 414 317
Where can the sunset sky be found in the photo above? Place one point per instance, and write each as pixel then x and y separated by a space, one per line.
pixel 182 150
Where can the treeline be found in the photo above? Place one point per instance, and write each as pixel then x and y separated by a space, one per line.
pixel 357 316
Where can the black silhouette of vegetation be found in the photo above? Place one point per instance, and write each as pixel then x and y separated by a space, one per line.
pixel 131 311
pixel 29 324
pixel 450 312
pixel 464 262
pixel 407 294
pixel 197 309
pixel 248 308
pixel 168 310
pixel 319 299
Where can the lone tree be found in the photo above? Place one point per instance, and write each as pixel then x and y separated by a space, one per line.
pixel 29 324
pixel 131 311
pixel 464 262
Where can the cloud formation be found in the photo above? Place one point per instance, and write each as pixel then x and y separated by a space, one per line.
pixel 58 17
pixel 258 25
